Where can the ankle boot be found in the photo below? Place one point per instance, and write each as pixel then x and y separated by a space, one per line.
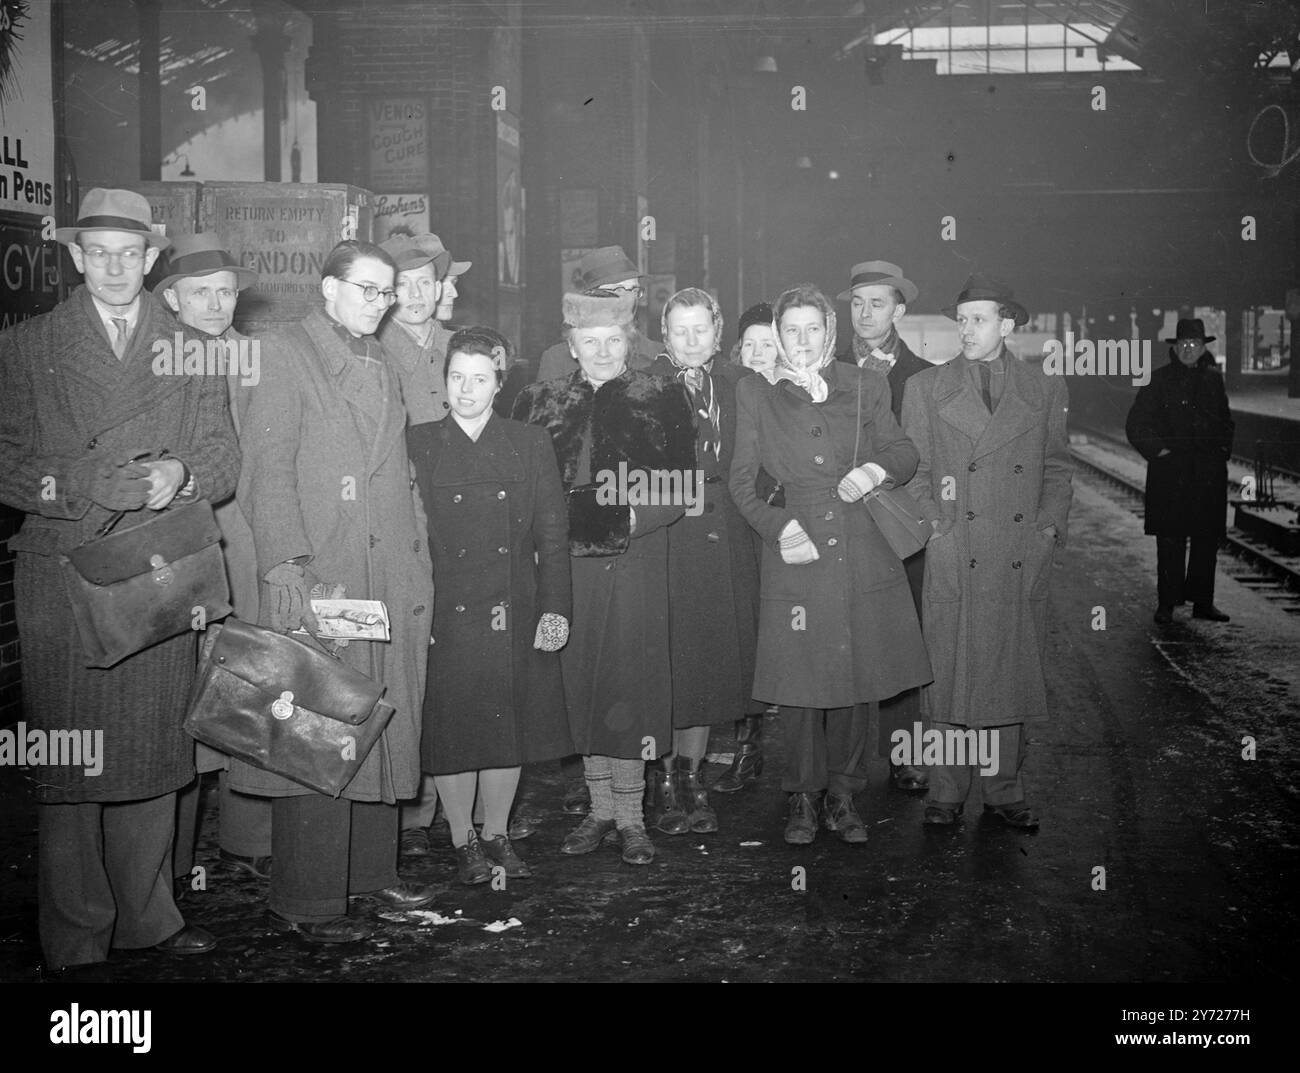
pixel 666 813
pixel 702 819
pixel 747 765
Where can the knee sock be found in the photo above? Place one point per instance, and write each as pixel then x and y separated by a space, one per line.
pixel 599 773
pixel 628 791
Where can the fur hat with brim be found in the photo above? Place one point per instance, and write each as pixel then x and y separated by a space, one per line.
pixel 982 288
pixel 599 310
pixel 883 273
pixel 113 210
pixel 202 255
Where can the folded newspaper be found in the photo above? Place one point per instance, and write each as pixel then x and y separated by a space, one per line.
pixel 352 620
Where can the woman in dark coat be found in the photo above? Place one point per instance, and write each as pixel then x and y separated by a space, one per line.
pixel 837 626
pixel 618 435
pixel 1181 424
pixel 326 487
pixel 499 540
pixel 712 575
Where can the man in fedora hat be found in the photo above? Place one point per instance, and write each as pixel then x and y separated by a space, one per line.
pixel 1181 424
pixel 878 295
pixel 412 334
pixel 994 479
pixel 201 287
pixel 87 430
pixel 609 269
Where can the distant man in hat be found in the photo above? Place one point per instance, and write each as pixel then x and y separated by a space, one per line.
pixel 607 269
pixel 411 333
pixel 88 430
pixel 994 479
pixel 1181 424
pixel 202 287
pixel 878 297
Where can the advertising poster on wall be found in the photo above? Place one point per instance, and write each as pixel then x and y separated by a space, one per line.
pixel 402 214
pixel 510 205
pixel 398 141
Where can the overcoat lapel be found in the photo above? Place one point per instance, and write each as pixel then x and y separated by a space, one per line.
pixel 462 461
pixel 960 405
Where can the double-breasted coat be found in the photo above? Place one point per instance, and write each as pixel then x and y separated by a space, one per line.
pixel 68 402
pixel 1185 410
pixel 841 630
pixel 499 538
pixel 616 667
pixel 712 576
pixel 995 484
pixel 326 475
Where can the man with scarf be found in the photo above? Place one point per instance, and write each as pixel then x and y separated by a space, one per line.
pixel 1181 424
pixel 878 298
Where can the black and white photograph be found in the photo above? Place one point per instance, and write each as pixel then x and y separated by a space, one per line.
pixel 651 491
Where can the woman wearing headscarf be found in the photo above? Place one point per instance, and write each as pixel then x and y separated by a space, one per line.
pixel 712 580
pixel 499 540
pixel 837 626
pixel 617 433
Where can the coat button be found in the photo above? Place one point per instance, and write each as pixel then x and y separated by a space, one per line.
pixel 92 444
pixel 418 611
pixel 712 538
pixel 457 498
pixel 970 515
pixel 1019 517
pixel 460 608
pixel 501 495
pixel 816 430
pixel 972 564
pixel 818 459
pixel 503 551
pixel 460 554
pixel 1017 469
pixel 972 467
pixel 832 542
pixel 373 540
pixel 415 547
pixel 830 515
pixel 1015 565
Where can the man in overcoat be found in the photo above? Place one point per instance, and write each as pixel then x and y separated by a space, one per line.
pixel 1181 424
pixel 81 404
pixel 994 479
pixel 878 297
pixel 201 288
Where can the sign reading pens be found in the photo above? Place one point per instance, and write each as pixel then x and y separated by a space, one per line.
pixel 398 140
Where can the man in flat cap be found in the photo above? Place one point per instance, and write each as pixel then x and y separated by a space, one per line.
pixel 88 430
pixel 202 287
pixel 411 333
pixel 994 479
pixel 878 295
pixel 1181 424
pixel 607 269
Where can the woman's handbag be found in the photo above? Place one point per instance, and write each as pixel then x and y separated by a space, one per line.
pixel 894 511
pixel 132 589
pixel 285 707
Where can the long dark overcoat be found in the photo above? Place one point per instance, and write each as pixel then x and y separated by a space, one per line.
pixel 842 630
pixel 65 396
pixel 995 484
pixel 616 666
pixel 1184 409
pixel 326 474
pixel 499 538
pixel 712 579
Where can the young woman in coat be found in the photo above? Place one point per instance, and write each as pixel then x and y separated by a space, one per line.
pixel 837 626
pixel 617 433
pixel 499 539
pixel 712 575
pixel 326 487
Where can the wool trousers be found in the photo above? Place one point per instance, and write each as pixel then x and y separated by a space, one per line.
pixel 1180 577
pixel 824 749
pixel 950 784
pixel 243 823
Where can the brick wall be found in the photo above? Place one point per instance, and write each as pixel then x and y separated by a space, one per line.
pixel 11 673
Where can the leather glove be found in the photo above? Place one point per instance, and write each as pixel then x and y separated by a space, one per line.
pixel 857 483
pixel 796 548
pixel 552 632
pixel 112 486
pixel 288 598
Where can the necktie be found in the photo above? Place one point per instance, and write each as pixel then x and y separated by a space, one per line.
pixel 119 339
pixel 986 375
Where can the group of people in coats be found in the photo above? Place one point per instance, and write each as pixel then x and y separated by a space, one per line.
pixel 574 613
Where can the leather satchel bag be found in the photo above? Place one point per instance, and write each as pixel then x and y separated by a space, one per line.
pixel 895 512
pixel 132 589
pixel 285 707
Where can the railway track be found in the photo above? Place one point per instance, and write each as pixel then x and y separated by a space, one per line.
pixel 1257 566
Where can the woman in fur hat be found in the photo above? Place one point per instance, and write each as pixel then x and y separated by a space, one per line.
pixel 625 443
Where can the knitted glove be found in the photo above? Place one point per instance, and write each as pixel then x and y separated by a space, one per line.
pixel 552 632
pixel 796 548
pixel 288 596
pixel 112 486
pixel 858 482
